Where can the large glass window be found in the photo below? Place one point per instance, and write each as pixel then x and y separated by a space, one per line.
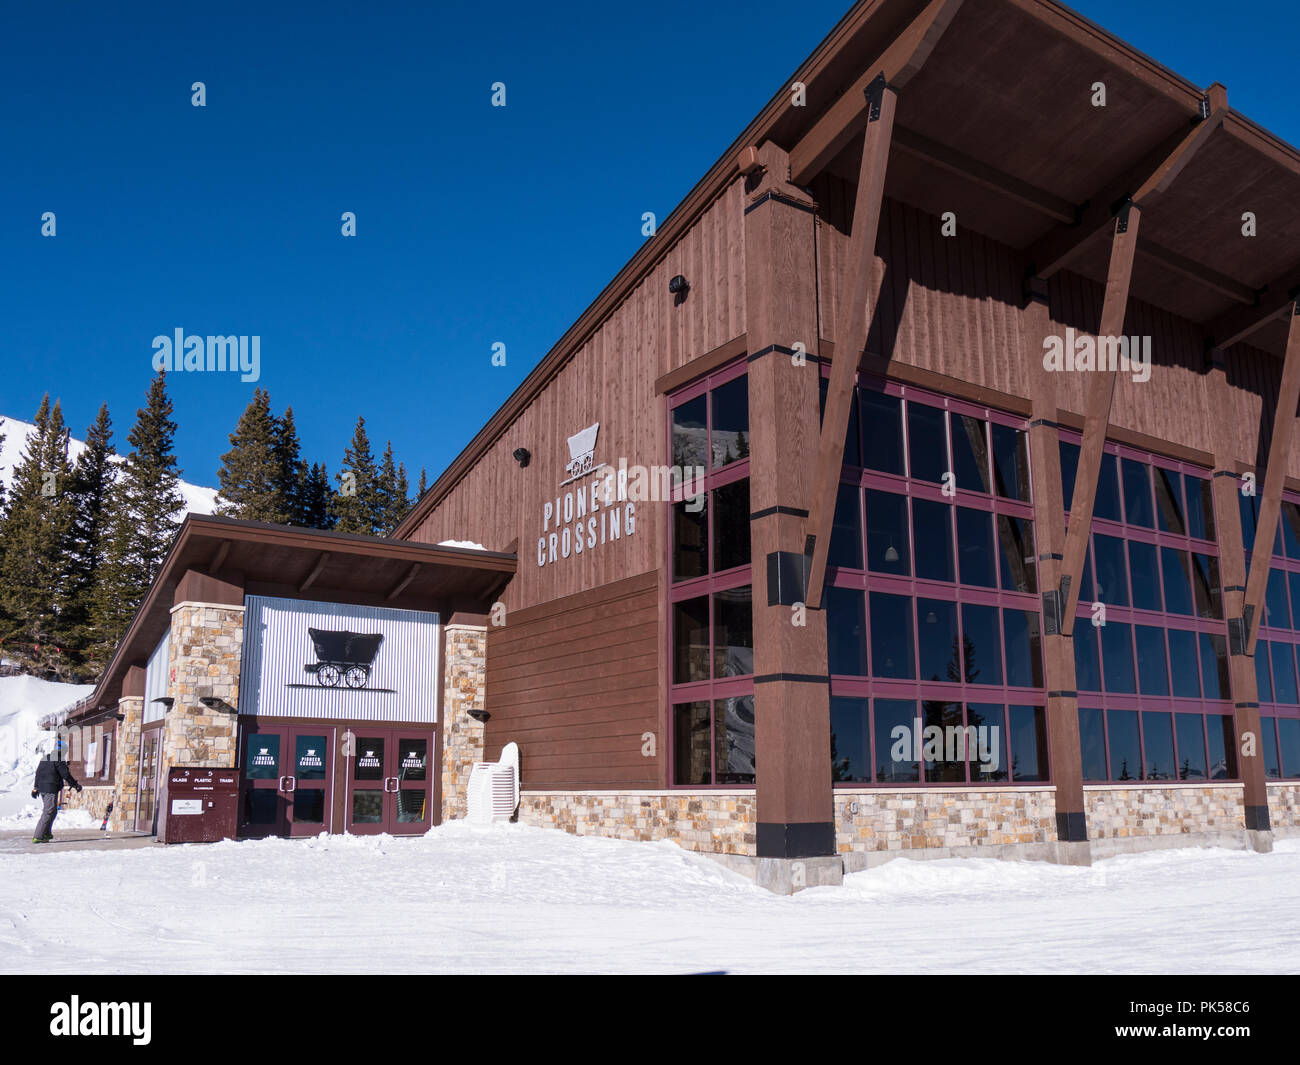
pixel 1279 641
pixel 1154 662
pixel 934 623
pixel 711 627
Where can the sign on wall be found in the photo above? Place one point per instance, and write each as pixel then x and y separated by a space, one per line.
pixel 338 661
pixel 592 508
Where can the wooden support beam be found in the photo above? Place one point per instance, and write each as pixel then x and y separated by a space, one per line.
pixel 1270 503
pixel 1101 391
pixel 1272 301
pixel 310 579
pixel 401 585
pixel 219 556
pixel 985 176
pixel 845 118
pixel 1194 271
pixel 1140 185
pixel 851 325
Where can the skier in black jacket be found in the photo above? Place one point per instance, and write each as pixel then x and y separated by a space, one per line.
pixel 51 775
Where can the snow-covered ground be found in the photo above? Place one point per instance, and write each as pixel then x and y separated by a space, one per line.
pixel 198 500
pixel 23 702
pixel 510 898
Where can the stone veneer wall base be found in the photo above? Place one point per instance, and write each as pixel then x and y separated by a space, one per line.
pixel 784 876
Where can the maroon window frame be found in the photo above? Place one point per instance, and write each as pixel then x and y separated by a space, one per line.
pixel 916 690
pixel 1275 715
pixel 704 587
pixel 1165 620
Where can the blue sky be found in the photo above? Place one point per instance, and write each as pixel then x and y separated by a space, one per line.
pixel 474 224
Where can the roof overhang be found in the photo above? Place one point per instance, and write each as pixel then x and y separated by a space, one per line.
pixel 221 559
pixel 999 126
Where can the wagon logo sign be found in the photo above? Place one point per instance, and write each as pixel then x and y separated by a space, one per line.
pixel 342 661
pixel 582 454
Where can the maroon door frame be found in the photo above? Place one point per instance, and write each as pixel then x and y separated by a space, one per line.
pixel 284 781
pixel 386 782
pixel 151 739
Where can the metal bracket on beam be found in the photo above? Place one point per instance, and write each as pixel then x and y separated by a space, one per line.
pixel 874 92
pixel 1121 216
pixel 1053 611
pixel 1237 629
pixel 787 578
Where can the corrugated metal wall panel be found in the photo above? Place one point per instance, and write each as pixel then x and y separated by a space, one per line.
pixel 404 672
pixel 155 681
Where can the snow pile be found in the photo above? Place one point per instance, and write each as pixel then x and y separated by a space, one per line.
pixel 470 544
pixel 513 898
pixel 23 702
pixel 198 500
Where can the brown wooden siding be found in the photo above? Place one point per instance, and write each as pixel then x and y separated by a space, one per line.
pixel 575 683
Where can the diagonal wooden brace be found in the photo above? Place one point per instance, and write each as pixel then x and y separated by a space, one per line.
pixel 1101 391
pixel 1270 503
pixel 852 321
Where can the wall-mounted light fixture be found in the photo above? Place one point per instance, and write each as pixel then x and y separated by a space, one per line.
pixel 166 700
pixel 679 286
pixel 479 715
pixel 212 702
pixel 523 456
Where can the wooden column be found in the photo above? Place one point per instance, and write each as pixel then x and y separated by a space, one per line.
pixel 853 317
pixel 1225 487
pixel 1049 532
pixel 791 684
pixel 1101 391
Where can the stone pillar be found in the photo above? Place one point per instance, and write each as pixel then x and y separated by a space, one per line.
pixel 126 762
pixel 1232 576
pixel 203 664
pixel 1072 847
pixel 795 831
pixel 464 689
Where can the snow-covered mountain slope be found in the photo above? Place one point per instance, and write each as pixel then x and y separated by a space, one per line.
pixel 23 702
pixel 198 500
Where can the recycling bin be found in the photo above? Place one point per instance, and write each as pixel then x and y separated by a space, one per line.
pixel 200 805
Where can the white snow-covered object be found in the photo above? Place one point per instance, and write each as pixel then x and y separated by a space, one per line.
pixel 493 791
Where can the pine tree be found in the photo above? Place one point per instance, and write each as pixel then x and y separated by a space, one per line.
pixel 358 503
pixel 291 473
pixel 316 498
pixel 423 486
pixel 144 505
pixel 35 533
pixel 93 478
pixel 251 478
pixel 393 491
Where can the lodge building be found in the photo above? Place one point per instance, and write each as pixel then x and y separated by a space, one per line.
pixel 906 527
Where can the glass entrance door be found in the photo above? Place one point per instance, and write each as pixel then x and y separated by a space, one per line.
pixel 286 780
pixel 261 785
pixel 389 786
pixel 147 787
pixel 309 781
